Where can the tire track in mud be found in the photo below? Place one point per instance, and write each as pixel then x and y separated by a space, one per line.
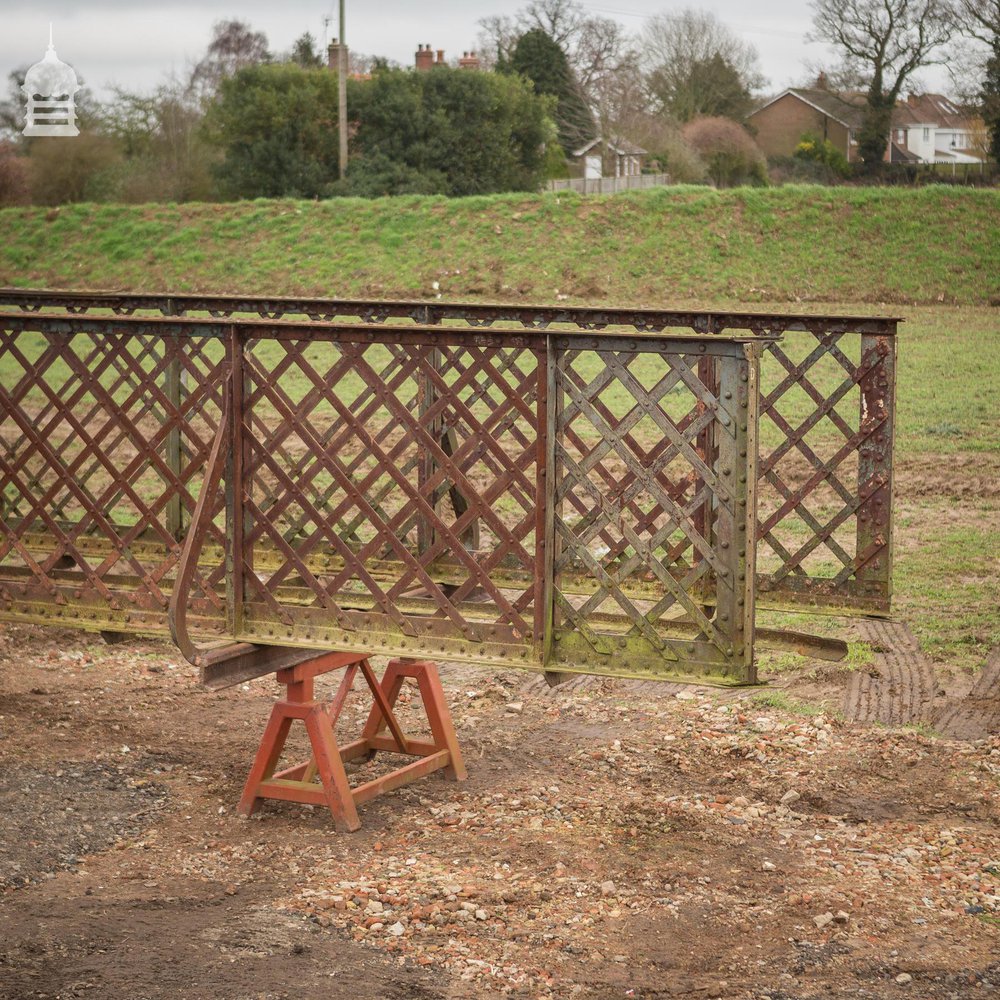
pixel 977 715
pixel 900 687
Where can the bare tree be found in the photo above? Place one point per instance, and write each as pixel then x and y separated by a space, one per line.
pixel 697 66
pixel 977 19
pixel 594 46
pixel 496 40
pixel 618 101
pixel 12 107
pixel 974 62
pixel 602 47
pixel 561 20
pixel 887 40
pixel 234 45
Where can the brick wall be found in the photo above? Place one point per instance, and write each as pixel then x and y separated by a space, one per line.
pixel 780 125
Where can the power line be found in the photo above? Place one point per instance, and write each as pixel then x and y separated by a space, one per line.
pixel 644 16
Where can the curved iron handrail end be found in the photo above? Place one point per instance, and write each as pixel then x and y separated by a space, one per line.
pixel 195 538
pixel 230 661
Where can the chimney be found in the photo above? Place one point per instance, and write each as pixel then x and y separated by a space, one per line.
pixel 821 81
pixel 424 58
pixel 469 60
pixel 333 56
pixel 440 58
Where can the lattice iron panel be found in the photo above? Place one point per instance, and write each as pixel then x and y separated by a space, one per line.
pixel 652 530
pixel 391 494
pixel 565 500
pixel 103 435
pixel 827 417
pixel 824 493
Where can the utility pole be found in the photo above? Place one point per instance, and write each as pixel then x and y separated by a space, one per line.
pixel 342 93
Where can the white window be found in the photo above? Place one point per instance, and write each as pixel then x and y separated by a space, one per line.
pixel 927 135
pixel 854 136
pixel 899 135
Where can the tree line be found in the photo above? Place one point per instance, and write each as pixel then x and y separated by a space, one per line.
pixel 247 122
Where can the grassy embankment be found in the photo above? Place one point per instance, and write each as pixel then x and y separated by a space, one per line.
pixel 668 245
pixel 932 256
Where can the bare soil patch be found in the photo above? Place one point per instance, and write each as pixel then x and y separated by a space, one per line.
pixel 614 839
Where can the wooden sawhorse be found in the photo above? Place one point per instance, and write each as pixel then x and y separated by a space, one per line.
pixel 299 784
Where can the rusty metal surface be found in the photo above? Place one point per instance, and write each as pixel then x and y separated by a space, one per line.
pixel 88 470
pixel 526 316
pixel 523 498
pixel 828 398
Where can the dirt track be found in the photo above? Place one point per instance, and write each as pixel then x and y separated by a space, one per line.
pixel 612 837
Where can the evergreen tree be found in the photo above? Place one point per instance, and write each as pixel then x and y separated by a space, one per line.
pixel 304 52
pixel 277 124
pixel 446 132
pixel 539 58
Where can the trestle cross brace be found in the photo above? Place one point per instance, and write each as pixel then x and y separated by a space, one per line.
pixel 323 780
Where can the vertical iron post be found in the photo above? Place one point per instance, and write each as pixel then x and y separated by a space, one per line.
pixel 735 512
pixel 236 485
pixel 873 559
pixel 553 401
pixel 174 457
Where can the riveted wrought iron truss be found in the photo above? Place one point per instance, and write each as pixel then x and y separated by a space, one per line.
pixel 563 489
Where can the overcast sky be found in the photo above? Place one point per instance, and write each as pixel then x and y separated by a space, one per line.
pixel 136 45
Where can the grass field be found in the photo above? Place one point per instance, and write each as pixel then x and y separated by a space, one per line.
pixel 847 249
pixel 670 245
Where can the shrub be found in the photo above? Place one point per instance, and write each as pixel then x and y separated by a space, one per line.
pixel 73 169
pixel 812 149
pixel 728 151
pixel 669 153
pixel 14 186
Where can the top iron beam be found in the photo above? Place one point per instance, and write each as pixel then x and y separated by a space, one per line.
pixel 470 314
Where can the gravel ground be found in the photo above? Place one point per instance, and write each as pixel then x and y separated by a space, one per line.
pixel 613 840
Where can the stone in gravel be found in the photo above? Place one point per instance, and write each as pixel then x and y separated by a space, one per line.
pixel 823 919
pixel 903 978
pixel 514 708
pixel 841 917
pixel 768 866
pixel 397 929
pixel 481 914
pixel 374 906
pixel 608 888
pixel 789 797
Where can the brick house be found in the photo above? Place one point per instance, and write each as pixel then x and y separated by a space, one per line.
pixel 780 123
pixel 925 129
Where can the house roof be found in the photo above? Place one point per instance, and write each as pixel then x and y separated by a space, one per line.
pixel 848 108
pixel 622 147
pixel 899 155
pixel 936 109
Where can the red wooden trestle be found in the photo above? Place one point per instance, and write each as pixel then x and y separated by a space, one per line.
pixel 299 783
